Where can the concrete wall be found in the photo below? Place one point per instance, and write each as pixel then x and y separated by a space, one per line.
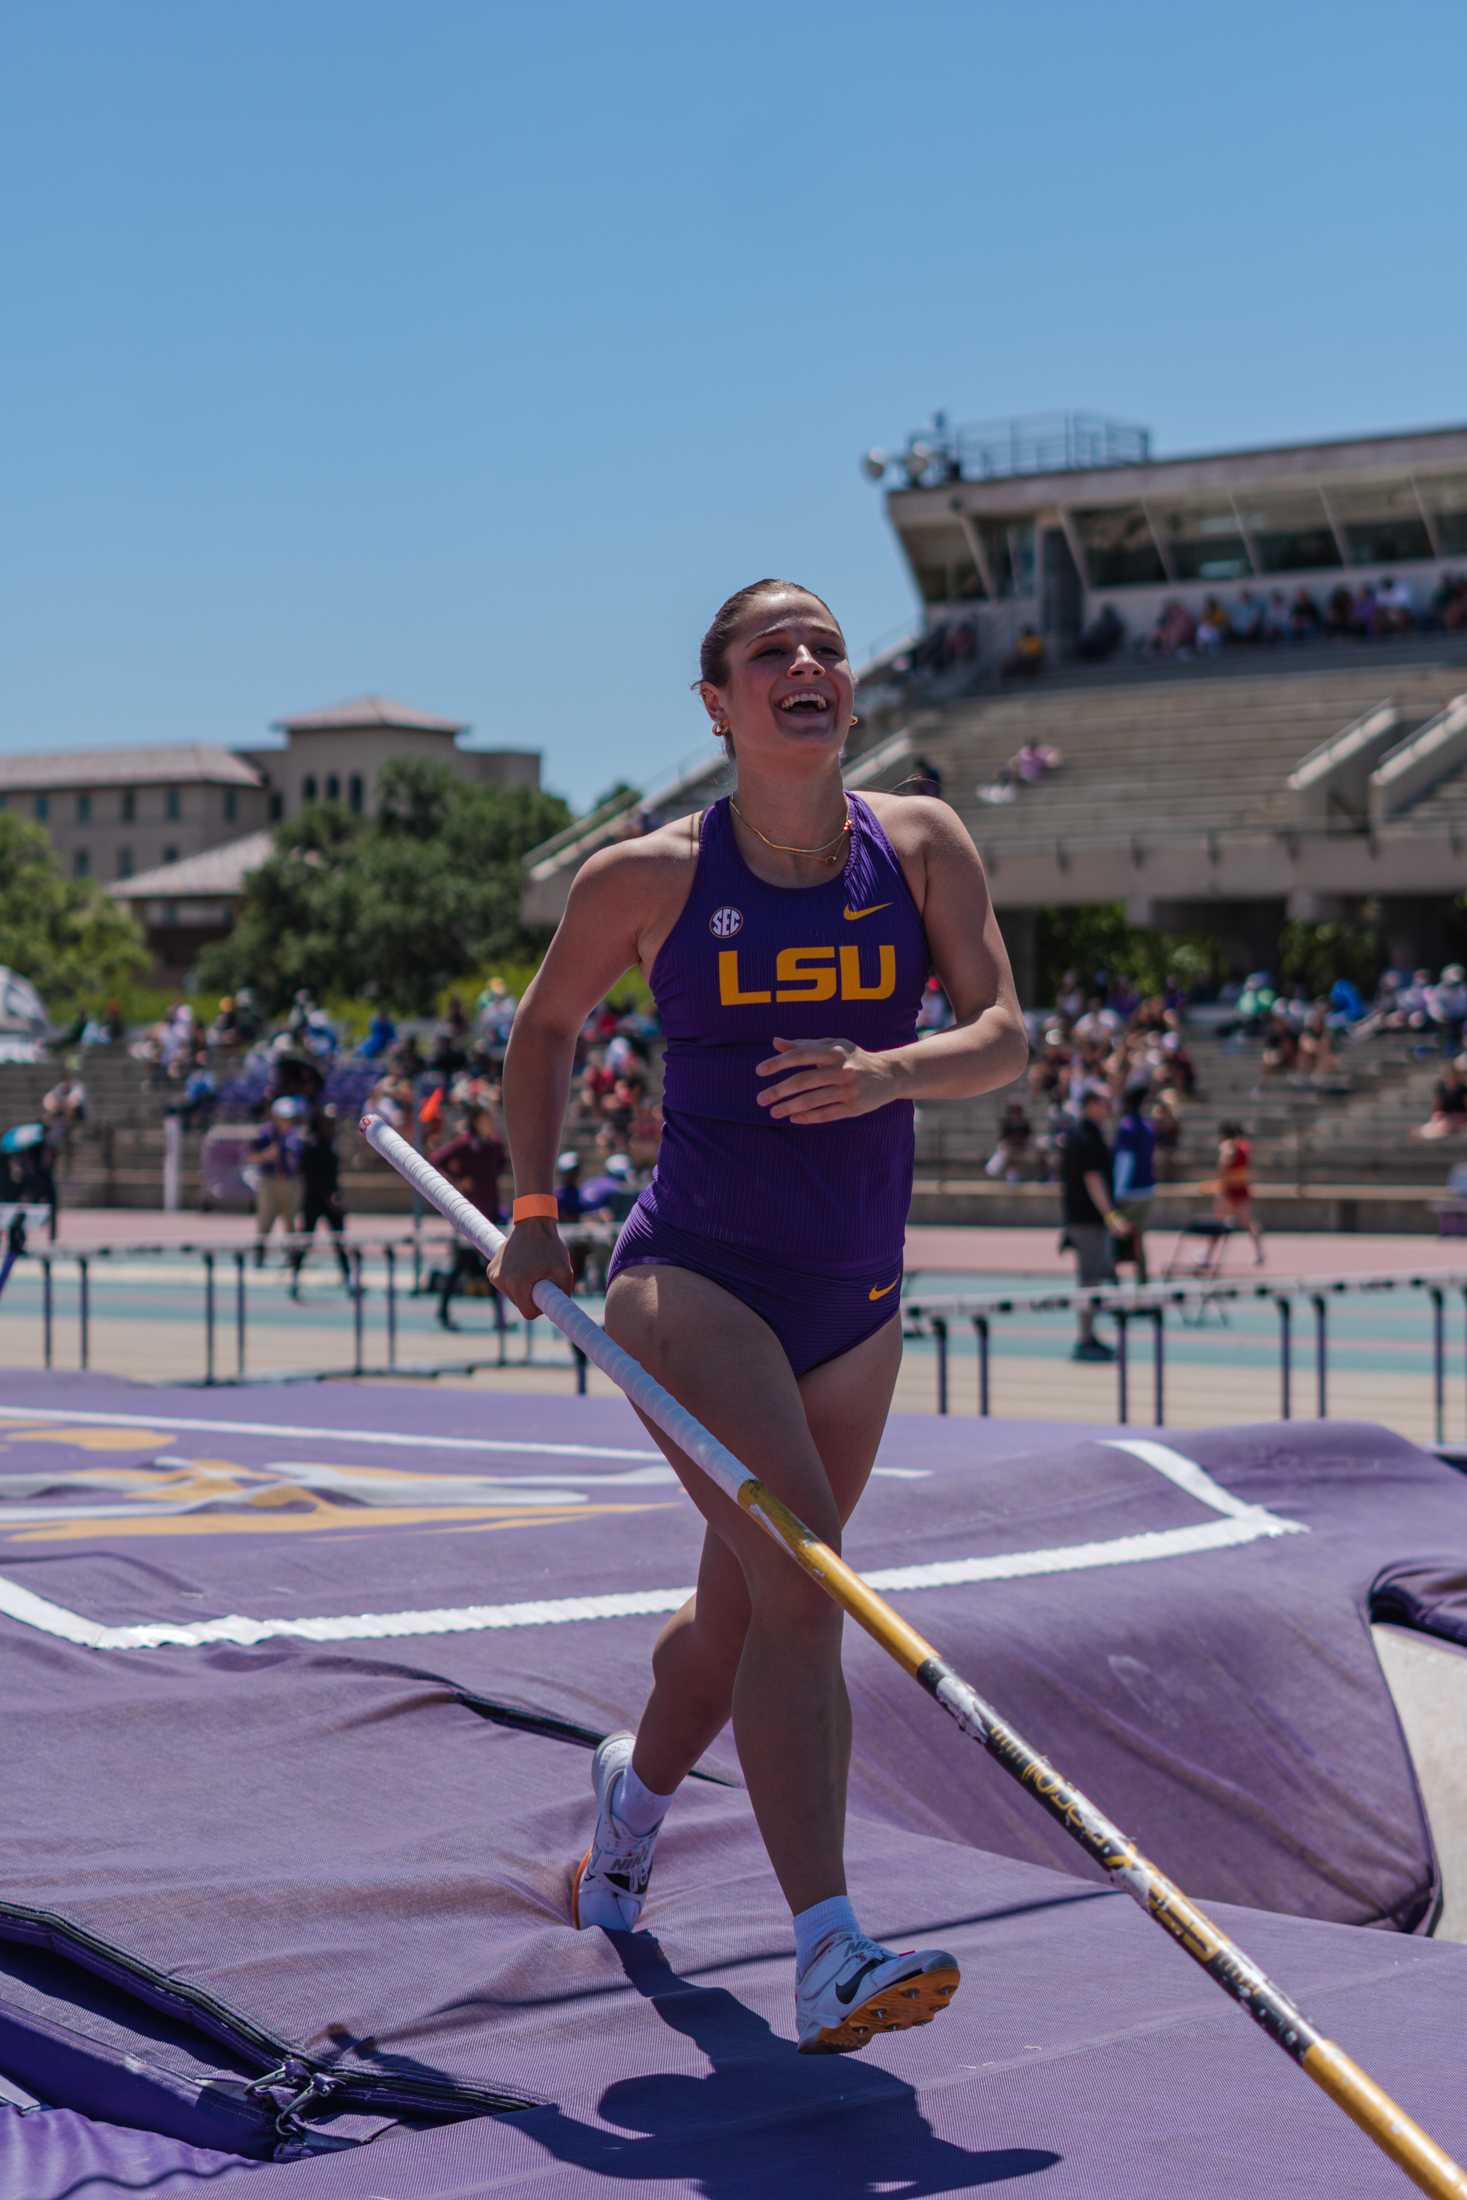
pixel 320 755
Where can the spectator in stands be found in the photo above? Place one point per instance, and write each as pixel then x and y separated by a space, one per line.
pixel 1317 1055
pixel 381 1033
pixel 1246 623
pixel 392 1100
pixel 1033 761
pixel 1413 1004
pixel 1233 1191
pixel 1212 628
pixel 1091 1220
pixel 1339 612
pixel 924 778
pixel 1102 637
pixel 1098 1023
pixel 1175 631
pixel 1449 603
pixel 611 1194
pixel 1012 1158
pixel 1000 789
pixel 1365 611
pixel 275 1159
pixel 1026 658
pixel 1448 1118
pixel 1166 1125
pixel 1395 607
pixel 568 1185
pixel 321 1198
pixel 407 1058
pixel 1280 1044
pixel 494 1012
pixel 1133 1176
pixel 200 1094
pixel 1303 616
pixel 1278 625
pixel 64 1107
pixel 1446 1005
pixel 473 1162
pixel 1346 1003
pixel 450 1040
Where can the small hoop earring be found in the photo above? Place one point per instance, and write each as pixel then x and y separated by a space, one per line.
pixel 855 721
pixel 720 732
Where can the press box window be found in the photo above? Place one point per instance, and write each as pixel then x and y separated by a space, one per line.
pixel 173 805
pixel 1289 530
pixel 1120 549
pixel 1203 542
pixel 1381 523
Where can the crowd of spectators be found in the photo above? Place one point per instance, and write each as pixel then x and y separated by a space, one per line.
pixel 1369 612
pixel 1101 1036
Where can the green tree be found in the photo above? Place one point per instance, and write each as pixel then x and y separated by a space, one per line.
pixel 71 939
pixel 393 909
pixel 1099 937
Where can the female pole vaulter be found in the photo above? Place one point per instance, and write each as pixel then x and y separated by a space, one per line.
pixel 787 934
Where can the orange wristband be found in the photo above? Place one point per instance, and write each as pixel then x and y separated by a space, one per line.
pixel 536 1207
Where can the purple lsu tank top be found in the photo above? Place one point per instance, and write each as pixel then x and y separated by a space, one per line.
pixel 847 959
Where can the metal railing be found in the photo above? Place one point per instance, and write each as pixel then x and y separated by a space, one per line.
pixel 221 1276
pixel 935 1316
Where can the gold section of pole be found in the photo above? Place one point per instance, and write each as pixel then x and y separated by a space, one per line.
pixel 850 1592
pixel 1378 2116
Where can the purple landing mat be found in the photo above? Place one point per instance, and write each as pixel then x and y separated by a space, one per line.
pixel 386 1932
pixel 1179 1621
pixel 56 2152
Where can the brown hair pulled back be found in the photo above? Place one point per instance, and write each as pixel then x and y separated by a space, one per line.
pixel 726 620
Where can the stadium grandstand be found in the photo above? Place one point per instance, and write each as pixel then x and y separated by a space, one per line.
pixel 1222 692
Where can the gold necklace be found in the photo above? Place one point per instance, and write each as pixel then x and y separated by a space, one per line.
pixel 786 848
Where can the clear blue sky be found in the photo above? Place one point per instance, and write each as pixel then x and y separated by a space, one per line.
pixel 474 353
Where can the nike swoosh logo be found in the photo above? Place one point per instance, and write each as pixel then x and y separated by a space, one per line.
pixel 873 1293
pixel 846 1988
pixel 853 916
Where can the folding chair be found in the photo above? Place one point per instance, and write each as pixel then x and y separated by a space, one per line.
pixel 1209 1239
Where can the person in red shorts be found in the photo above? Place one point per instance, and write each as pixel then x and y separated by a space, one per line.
pixel 1233 1191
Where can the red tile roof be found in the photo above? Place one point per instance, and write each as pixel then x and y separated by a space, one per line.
pixel 218 872
pixel 361 713
pixel 184 765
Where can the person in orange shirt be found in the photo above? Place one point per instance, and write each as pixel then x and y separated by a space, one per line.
pixel 1233 1191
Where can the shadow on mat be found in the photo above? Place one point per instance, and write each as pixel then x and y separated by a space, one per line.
pixel 765 2118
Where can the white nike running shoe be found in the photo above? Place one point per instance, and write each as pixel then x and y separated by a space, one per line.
pixel 852 1988
pixel 610 1883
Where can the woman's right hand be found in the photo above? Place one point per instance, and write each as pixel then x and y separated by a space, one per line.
pixel 532 1253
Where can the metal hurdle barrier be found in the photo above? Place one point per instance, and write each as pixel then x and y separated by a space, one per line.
pixel 226 1335
pixel 934 1315
pixel 373 1350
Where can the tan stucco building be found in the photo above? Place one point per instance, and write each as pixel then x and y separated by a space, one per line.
pixel 174 831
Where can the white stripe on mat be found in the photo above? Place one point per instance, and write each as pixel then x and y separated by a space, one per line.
pixel 1238 1523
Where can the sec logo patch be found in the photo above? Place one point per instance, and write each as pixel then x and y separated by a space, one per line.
pixel 724 923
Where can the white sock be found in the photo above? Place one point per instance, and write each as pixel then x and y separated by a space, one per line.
pixel 635 1806
pixel 833 1915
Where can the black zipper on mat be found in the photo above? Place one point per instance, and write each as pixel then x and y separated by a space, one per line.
pixel 281 2064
